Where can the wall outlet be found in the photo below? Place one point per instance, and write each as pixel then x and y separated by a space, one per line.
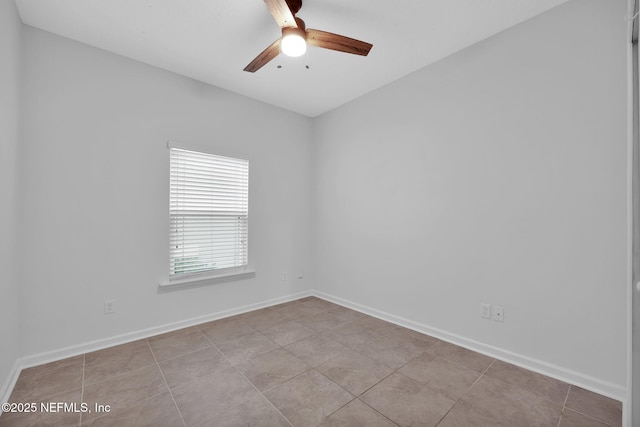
pixel 109 306
pixel 497 314
pixel 284 276
pixel 485 310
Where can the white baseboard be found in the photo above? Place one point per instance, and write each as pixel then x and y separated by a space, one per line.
pixel 74 350
pixel 604 388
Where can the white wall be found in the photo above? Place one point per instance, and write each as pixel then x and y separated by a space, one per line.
pixel 497 175
pixel 10 58
pixel 94 180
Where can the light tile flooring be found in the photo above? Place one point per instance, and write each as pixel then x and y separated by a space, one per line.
pixel 303 363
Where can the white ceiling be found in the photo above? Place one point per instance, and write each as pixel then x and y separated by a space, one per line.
pixel 213 40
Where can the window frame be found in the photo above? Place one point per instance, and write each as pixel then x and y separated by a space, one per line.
pixel 215 274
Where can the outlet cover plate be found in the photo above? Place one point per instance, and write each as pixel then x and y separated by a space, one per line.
pixel 497 314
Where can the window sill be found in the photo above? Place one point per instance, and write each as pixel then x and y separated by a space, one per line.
pixel 209 279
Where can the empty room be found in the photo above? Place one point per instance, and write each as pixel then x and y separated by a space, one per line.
pixel 302 213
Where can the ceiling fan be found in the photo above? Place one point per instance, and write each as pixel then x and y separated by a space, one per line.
pixel 295 36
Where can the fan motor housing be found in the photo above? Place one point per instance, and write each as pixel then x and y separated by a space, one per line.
pixel 294 31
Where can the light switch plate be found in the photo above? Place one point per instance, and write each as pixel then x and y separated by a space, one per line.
pixel 485 310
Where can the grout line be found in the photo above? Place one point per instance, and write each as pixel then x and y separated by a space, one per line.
pixel 166 383
pixel 482 374
pixel 358 397
pixel 328 415
pixel 84 364
pixel 336 384
pixel 591 417
pixel 178 355
pixel 207 338
pixel 393 371
pixel 244 376
pixel 122 374
pixel 387 418
pixel 445 415
pixel 387 376
pixel 211 347
pixel 181 354
pixel 127 406
pixel 566 398
pixel 564 405
pixel 488 367
pixel 293 377
pixel 265 397
pixel 256 388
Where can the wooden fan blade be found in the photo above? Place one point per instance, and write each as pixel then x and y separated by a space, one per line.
pixel 281 13
pixel 338 42
pixel 267 55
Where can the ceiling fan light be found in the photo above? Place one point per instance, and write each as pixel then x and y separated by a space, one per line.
pixel 293 42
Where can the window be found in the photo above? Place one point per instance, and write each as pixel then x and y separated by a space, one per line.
pixel 209 198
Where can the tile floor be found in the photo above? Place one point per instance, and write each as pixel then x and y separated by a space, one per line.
pixel 303 363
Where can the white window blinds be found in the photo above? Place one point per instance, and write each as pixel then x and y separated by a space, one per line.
pixel 209 199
